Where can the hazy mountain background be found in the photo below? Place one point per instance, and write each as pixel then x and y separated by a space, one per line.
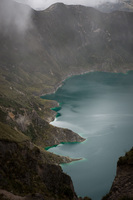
pixel 102 5
pixel 121 5
pixel 43 4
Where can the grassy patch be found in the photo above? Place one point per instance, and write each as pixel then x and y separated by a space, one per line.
pixel 9 134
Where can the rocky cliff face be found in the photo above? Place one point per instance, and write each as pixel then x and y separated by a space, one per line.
pixel 28 172
pixel 122 187
pixel 36 128
pixel 25 170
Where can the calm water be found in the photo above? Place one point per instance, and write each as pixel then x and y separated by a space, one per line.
pixel 99 107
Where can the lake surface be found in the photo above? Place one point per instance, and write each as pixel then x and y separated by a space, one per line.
pixel 99 107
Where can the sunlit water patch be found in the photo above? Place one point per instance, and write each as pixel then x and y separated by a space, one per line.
pixel 99 107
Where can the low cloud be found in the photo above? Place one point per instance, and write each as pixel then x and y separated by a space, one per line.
pixel 14 16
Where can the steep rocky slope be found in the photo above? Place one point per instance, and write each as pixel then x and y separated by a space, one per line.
pixel 27 169
pixel 122 187
pixel 32 123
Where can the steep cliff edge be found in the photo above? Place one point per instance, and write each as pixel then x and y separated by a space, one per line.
pixel 29 172
pixel 122 187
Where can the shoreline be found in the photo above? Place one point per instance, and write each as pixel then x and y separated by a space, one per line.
pixel 126 71
pixel 60 84
pixel 66 159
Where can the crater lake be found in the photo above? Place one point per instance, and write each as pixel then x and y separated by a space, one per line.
pixel 99 107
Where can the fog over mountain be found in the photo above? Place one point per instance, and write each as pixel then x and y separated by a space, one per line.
pixel 14 17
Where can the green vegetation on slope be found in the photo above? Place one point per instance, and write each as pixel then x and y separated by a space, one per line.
pixel 9 134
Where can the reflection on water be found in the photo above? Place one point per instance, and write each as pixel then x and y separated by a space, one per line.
pixel 98 106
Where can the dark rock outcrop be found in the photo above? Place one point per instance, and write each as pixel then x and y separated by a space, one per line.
pixel 24 170
pixel 122 187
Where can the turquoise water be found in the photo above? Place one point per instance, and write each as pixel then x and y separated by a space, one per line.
pixel 99 107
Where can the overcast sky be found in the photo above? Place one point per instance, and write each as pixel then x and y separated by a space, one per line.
pixel 43 4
